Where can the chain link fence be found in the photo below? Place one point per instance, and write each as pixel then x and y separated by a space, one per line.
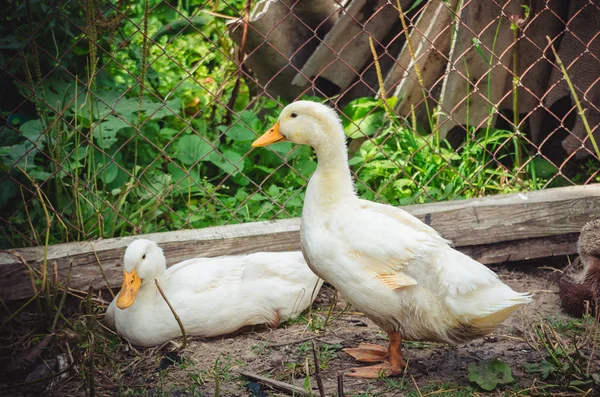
pixel 123 118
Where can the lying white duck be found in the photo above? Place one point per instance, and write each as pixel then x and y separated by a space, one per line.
pixel 391 266
pixel 212 296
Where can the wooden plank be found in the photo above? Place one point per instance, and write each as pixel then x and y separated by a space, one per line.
pixel 546 20
pixel 281 37
pixel 466 98
pixel 491 229
pixel 345 49
pixel 430 41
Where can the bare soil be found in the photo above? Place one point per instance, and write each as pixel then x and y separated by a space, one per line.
pixel 285 353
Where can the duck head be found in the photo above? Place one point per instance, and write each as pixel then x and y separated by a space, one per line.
pixel 144 260
pixel 305 123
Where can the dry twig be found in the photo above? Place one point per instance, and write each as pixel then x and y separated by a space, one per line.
pixel 296 391
pixel 174 315
pixel 318 370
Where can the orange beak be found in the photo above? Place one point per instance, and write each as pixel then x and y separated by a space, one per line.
pixel 129 289
pixel 271 136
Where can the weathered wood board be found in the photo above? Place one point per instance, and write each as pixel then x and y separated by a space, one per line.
pixel 282 34
pixel 534 68
pixel 492 229
pixel 345 49
pixel 473 88
pixel 430 41
pixel 580 53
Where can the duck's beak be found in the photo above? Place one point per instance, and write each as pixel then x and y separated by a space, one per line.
pixel 271 136
pixel 129 289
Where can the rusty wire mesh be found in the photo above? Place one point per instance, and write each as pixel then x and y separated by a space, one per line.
pixel 122 119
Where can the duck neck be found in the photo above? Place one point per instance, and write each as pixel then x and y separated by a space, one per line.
pixel 332 181
pixel 149 286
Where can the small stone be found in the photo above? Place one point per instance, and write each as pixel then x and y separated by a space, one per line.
pixel 276 360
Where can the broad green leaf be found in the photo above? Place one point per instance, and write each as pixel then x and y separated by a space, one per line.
pixel 364 117
pixel 282 148
pixel 306 167
pixel 241 179
pixel 544 368
pixel 8 190
pixel 544 168
pixel 489 373
pixel 159 110
pixel 20 156
pixel 238 132
pixel 365 126
pixel 184 180
pixel 39 174
pixel 192 148
pixel 359 108
pixel 229 161
pixel 32 129
pixel 168 132
pixel 10 42
pixel 106 168
pixel 251 121
pixel 105 133
pixel 154 184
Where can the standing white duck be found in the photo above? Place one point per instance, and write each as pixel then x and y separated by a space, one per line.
pixel 391 266
pixel 212 296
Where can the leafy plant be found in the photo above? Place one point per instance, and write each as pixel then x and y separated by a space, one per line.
pixel 489 373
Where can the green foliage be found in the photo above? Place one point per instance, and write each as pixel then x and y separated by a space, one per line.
pixel 489 373
pixel 109 157
pixel 404 167
pixel 566 351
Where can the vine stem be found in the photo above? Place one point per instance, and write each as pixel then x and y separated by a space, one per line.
pixel 580 109
pixel 174 314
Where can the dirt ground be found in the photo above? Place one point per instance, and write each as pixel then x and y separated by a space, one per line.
pixel 212 367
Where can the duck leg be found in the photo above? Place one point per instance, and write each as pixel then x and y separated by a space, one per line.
pixel 393 364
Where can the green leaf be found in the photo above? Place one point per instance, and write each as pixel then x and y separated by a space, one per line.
pixel 365 126
pixel 32 129
pixel 238 132
pixel 251 120
pixel 168 132
pixel 544 168
pixel 106 168
pixel 306 167
pixel 8 190
pixel 105 133
pixel 39 175
pixel 20 155
pixel 544 368
pixel 10 42
pixel 413 6
pixel 489 373
pixel 359 108
pixel 229 161
pixel 154 184
pixel 282 148
pixel 477 44
pixel 159 110
pixel 184 181
pixel 192 148
pixel 364 117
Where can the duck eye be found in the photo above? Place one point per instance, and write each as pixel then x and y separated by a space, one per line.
pixel 293 115
pixel 144 256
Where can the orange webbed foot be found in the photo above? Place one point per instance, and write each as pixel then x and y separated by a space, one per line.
pixel 383 370
pixel 367 353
